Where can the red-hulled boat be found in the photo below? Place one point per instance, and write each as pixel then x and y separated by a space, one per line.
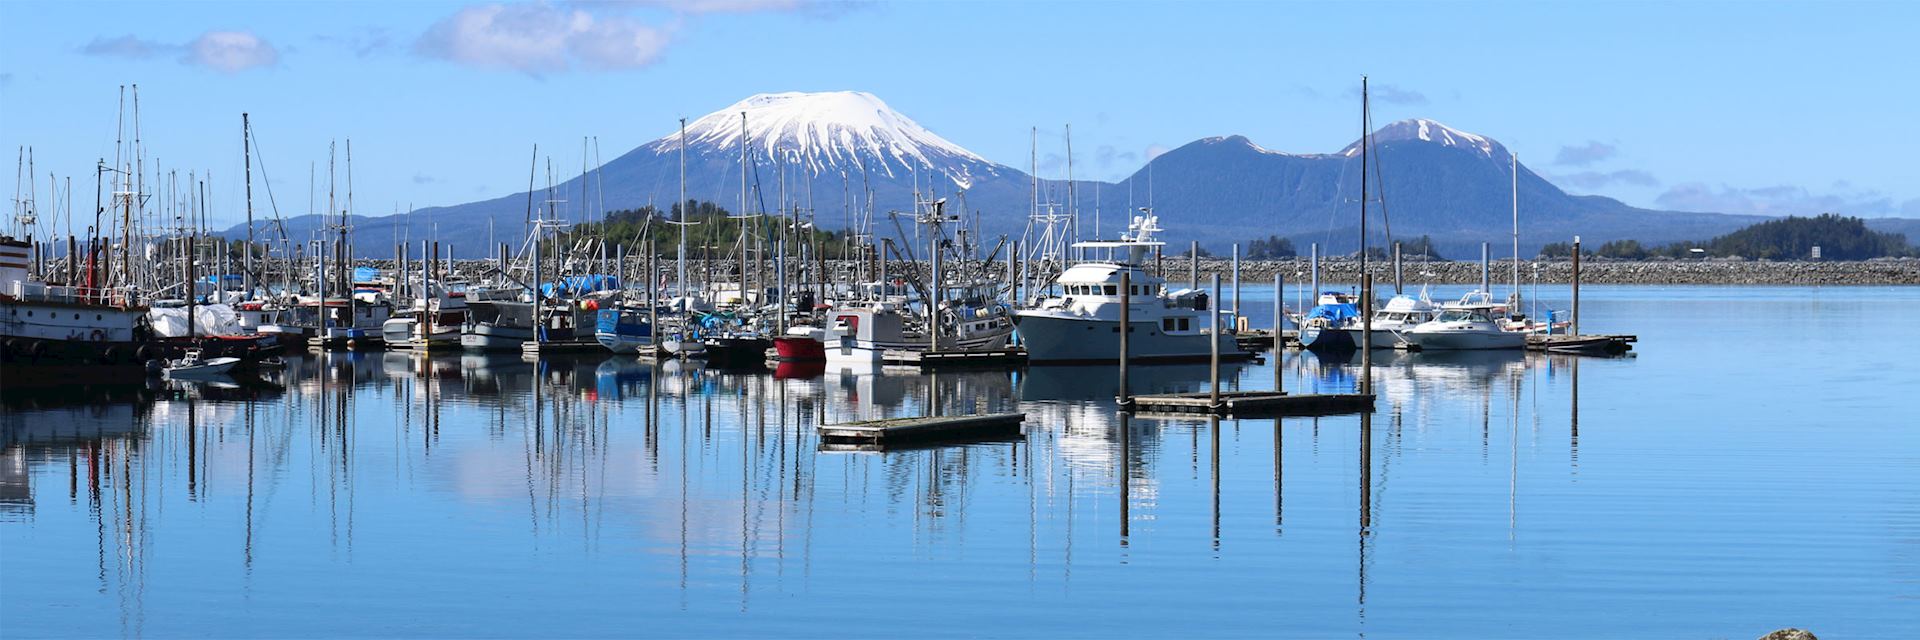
pixel 800 344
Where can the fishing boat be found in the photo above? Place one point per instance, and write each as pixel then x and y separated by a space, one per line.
pixel 623 329
pixel 397 331
pixel 737 350
pixel 497 325
pixel 1082 324
pixel 43 324
pixel 192 365
pixel 801 344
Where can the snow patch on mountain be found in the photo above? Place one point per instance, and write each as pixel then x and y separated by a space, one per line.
pixel 828 132
pixel 1432 131
pixel 1244 141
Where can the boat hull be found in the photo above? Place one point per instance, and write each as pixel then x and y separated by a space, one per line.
pixel 1326 339
pixel 1465 340
pixel 737 352
pixel 799 349
pixel 1068 340
pixel 491 337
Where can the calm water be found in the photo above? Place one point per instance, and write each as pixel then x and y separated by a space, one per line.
pixel 1753 467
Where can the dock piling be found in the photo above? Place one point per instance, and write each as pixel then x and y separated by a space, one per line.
pixel 1576 288
pixel 1193 265
pixel 1366 334
pixel 1279 343
pixel 1236 282
pixel 1213 311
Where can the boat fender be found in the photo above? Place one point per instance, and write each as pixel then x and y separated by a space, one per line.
pixel 145 352
pixel 112 355
pixel 36 348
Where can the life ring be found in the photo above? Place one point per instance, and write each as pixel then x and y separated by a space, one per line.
pixel 99 335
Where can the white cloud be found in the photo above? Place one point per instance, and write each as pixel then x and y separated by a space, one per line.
pixel 1599 179
pixel 817 8
pixel 1154 151
pixel 538 38
pixel 1586 154
pixel 1778 201
pixel 230 51
pixel 227 51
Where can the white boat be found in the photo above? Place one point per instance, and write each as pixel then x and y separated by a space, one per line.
pixel 1468 326
pixel 1082 325
pixel 192 366
pixel 1401 313
pixel 497 325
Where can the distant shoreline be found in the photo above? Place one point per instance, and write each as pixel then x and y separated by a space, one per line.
pixel 1885 271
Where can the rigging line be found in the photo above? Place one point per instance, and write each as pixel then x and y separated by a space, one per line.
pixel 259 158
pixel 1380 186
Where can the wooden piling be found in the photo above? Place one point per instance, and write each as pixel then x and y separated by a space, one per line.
pixel 1279 315
pixel 1366 334
pixel 1193 266
pixel 1213 349
pixel 1576 288
pixel 1236 282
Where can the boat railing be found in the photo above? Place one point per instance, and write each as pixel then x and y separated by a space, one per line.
pixel 27 291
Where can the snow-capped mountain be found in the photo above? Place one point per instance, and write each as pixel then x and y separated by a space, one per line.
pixel 825 133
pixel 1424 130
pixel 839 151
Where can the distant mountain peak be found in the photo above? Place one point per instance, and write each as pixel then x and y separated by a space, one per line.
pixel 1242 141
pixel 1432 131
pixel 826 132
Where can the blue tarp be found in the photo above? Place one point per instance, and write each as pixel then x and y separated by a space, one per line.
pixel 1336 314
pixel 365 274
pixel 580 284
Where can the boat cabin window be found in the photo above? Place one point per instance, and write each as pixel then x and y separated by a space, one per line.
pixel 1167 324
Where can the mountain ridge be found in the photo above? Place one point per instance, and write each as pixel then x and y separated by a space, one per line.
pixel 845 149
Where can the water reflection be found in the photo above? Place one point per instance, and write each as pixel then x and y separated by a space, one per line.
pixel 579 463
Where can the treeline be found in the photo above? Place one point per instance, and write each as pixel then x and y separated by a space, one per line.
pixel 713 231
pixel 1791 238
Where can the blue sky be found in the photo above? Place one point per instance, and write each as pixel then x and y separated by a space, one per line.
pixel 1770 108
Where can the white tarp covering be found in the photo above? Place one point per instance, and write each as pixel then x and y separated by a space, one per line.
pixel 208 320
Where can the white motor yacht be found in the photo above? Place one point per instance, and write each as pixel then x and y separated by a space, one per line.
pixel 1082 325
pixel 1466 326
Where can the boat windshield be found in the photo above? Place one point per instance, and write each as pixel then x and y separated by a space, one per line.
pixel 1462 315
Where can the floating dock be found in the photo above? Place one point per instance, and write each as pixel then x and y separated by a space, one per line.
pixel 1013 356
pixel 1247 404
pixel 1602 345
pixel 892 431
pixel 549 347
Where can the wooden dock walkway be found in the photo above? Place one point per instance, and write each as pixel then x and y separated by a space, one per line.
pixel 1249 404
pixel 549 347
pixel 925 429
pixel 1602 345
pixel 1009 357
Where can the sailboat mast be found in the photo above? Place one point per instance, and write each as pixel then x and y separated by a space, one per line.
pixel 1366 129
pixel 680 279
pixel 246 151
pixel 742 284
pixel 1514 168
